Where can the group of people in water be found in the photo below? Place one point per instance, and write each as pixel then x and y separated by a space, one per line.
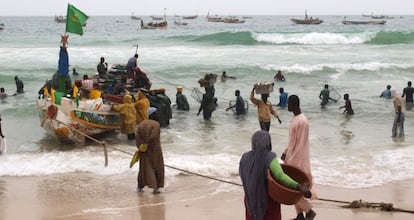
pixel 19 88
pixel 400 106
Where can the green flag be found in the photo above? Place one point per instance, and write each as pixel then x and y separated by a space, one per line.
pixel 75 20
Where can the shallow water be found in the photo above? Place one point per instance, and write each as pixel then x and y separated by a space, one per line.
pixel 359 60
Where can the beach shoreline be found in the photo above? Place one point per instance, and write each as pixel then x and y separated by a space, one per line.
pixel 90 196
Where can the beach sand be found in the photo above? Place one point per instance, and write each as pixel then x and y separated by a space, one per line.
pixel 90 196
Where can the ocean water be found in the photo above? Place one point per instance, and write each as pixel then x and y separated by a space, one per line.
pixel 349 152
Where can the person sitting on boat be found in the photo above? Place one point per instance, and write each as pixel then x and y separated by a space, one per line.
pixel 95 92
pixel 181 100
pixel 87 85
pixel 102 68
pixel 279 76
pixel 3 93
pixel 131 64
pixel 240 106
pixel 128 116
pixel 141 79
pixel 141 105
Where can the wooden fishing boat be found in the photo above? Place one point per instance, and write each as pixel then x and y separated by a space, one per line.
pixel 134 17
pixel 70 121
pixel 155 24
pixel 156 18
pixel 381 22
pixel 179 22
pixel 233 20
pixel 60 19
pixel 307 20
pixel 215 18
pixel 190 17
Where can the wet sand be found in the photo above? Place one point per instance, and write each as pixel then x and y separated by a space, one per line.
pixel 88 196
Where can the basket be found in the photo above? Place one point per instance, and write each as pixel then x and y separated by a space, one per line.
pixel 264 87
pixel 209 80
pixel 283 194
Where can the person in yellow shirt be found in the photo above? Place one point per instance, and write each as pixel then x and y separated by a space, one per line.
pixel 142 105
pixel 128 115
pixel 264 109
pixel 95 92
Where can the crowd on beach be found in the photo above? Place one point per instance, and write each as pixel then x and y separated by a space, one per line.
pixel 144 115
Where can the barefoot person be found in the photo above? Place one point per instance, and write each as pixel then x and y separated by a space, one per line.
pixel 151 162
pixel 252 169
pixel 297 152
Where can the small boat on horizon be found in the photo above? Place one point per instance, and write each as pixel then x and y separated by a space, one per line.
pixel 134 17
pixel 156 25
pixel 307 20
pixel 190 17
pixel 60 19
pixel 367 22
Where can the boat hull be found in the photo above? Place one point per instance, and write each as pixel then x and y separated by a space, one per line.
pixel 306 21
pixel 71 124
pixel 364 22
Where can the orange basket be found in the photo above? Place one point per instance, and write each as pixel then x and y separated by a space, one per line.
pixel 283 194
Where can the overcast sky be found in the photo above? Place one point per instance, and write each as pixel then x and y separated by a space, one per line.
pixel 201 7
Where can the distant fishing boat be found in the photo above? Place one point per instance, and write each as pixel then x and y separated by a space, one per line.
pixel 156 25
pixel 378 16
pixel 190 17
pixel 307 20
pixel 133 17
pixel 368 22
pixel 156 18
pixel 178 21
pixel 215 18
pixel 233 20
pixel 2 26
pixel 60 19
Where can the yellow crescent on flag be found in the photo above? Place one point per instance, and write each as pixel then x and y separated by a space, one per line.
pixel 75 18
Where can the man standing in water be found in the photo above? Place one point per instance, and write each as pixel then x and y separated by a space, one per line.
pixel 325 96
pixel 240 107
pixel 19 85
pixel 348 106
pixel 264 109
pixel 181 100
pixel 399 108
pixel 408 93
pixel 297 153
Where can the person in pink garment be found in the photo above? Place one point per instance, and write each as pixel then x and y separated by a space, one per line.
pixel 297 153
